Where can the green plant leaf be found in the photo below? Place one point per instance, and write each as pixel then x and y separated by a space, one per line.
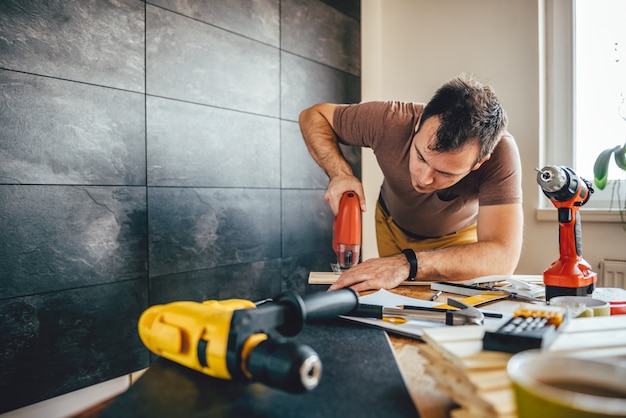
pixel 601 168
pixel 620 157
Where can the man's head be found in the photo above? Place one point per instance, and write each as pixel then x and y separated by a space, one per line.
pixel 459 129
pixel 467 110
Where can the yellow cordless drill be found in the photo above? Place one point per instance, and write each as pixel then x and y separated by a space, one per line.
pixel 241 340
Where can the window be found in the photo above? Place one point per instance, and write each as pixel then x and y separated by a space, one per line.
pixel 585 88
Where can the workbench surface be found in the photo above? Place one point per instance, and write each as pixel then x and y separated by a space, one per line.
pixel 360 377
pixel 366 373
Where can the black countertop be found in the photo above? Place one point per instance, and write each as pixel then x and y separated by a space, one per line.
pixel 360 378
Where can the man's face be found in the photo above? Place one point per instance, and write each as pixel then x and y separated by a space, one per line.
pixel 431 170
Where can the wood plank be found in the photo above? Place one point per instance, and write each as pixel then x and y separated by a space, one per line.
pixel 492 386
pixel 481 380
pixel 495 401
pixel 430 401
pixel 477 380
pixel 329 277
pixel 577 341
pixel 469 355
pixel 596 324
pixel 485 380
pixel 465 413
pixel 458 333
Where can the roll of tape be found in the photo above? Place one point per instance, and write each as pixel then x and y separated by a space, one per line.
pixel 582 306
pixel 616 297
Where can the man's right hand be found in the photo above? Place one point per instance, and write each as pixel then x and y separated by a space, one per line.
pixel 374 274
pixel 316 124
pixel 338 186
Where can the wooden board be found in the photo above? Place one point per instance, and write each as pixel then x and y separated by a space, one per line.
pixel 323 277
pixel 601 332
pixel 477 380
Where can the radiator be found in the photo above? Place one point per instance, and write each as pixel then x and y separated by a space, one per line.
pixel 612 273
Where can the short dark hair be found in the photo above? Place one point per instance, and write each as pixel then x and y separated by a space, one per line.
pixel 467 109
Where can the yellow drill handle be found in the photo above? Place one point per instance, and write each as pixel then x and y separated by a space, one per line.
pixel 185 332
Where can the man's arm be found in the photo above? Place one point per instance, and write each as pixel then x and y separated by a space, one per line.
pixel 497 252
pixel 316 125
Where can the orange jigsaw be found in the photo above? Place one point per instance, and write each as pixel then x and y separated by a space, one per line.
pixel 347 232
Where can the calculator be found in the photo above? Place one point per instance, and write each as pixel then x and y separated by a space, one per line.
pixel 527 329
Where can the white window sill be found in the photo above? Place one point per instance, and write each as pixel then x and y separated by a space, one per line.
pixel 587 215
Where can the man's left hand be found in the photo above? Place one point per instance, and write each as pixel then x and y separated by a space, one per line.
pixel 375 273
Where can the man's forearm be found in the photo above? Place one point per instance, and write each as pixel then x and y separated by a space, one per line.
pixel 322 143
pixel 463 262
pixel 468 261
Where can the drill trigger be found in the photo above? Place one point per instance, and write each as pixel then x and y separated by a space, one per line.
pixel 565 215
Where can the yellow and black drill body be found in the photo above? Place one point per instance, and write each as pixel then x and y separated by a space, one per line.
pixel 240 340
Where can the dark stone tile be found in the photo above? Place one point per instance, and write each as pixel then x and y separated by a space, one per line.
pixel 196 229
pixel 351 8
pixel 60 237
pixel 193 61
pixel 93 41
pixel 295 270
pixel 319 32
pixel 76 133
pixel 298 169
pixel 74 260
pixel 58 342
pixel 353 156
pixel 305 83
pixel 201 146
pixel 252 281
pixel 307 222
pixel 256 19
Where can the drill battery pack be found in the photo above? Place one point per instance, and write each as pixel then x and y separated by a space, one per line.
pixel 528 329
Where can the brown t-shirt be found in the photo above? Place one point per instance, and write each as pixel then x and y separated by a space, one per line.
pixel 388 129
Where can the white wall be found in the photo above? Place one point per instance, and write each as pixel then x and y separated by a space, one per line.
pixel 411 47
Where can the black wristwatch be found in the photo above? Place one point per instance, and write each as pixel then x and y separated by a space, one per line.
pixel 413 263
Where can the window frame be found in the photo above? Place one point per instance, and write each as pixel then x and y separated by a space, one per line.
pixel 557 71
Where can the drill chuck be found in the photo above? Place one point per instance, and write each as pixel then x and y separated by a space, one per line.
pixel 285 365
pixel 562 185
pixel 551 179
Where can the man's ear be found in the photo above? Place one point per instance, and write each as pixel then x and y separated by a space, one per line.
pixel 479 163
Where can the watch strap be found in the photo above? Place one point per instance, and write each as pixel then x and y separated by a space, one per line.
pixel 411 257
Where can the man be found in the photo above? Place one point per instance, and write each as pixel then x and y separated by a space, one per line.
pixel 450 203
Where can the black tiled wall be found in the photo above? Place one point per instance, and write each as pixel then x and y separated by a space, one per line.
pixel 150 152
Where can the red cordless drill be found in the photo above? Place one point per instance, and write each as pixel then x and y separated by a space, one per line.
pixel 570 275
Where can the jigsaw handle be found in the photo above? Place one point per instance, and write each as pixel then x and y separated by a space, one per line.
pixel 347 231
